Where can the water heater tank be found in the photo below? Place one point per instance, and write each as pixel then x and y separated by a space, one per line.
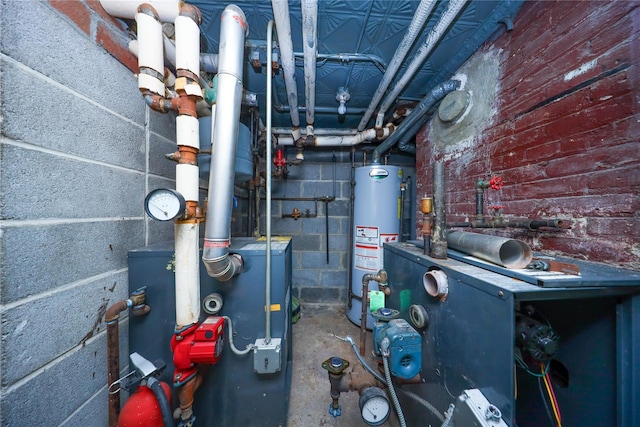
pixel 376 221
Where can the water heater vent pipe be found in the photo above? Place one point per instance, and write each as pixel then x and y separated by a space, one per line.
pixel 217 238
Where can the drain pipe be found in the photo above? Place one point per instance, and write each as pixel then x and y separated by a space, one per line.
pixel 283 25
pixel 309 27
pixel 453 8
pixel 415 119
pixel 137 303
pixel 419 18
pixel 219 263
pixel 438 234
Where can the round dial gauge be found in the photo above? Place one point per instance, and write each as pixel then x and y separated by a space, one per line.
pixel 374 406
pixel 164 204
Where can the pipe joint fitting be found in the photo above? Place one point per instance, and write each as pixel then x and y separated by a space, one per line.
pixel 147 9
pixel 191 11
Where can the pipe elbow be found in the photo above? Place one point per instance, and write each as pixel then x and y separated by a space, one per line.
pixel 224 267
pixel 147 9
pixel 114 311
pixel 157 103
pixel 191 11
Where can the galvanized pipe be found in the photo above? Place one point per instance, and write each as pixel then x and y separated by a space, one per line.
pixel 453 8
pixel 510 253
pixel 415 27
pixel 215 255
pixel 283 26
pixel 267 337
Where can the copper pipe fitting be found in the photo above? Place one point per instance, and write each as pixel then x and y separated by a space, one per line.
pixel 192 12
pixel 147 9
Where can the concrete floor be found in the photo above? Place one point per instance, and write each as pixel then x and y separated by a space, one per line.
pixel 313 343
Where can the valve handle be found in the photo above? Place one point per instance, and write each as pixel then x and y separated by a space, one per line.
pixel 496 183
pixel 336 412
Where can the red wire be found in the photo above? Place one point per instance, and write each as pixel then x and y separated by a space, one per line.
pixel 553 394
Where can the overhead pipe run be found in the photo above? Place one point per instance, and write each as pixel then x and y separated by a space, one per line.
pixel 453 9
pixel 415 120
pixel 215 256
pixel 167 10
pixel 419 18
pixel 283 25
pixel 310 43
pixel 368 135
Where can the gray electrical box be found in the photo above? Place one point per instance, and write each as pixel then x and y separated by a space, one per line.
pixel 474 410
pixel 233 392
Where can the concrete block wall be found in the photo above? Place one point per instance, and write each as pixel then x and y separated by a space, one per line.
pixel 79 152
pixel 315 280
pixel 562 129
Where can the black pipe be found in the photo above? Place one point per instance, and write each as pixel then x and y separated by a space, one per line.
pixel 167 415
pixel 352 197
pixel 531 224
pixel 416 116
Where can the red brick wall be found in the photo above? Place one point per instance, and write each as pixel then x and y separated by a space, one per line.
pixel 91 18
pixel 566 135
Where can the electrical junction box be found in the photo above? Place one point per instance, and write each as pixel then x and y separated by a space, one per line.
pixel 266 356
pixel 474 410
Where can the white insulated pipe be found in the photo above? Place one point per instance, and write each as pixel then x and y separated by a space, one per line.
pixel 283 26
pixel 310 49
pixel 151 54
pixel 187 45
pixel 168 10
pixel 453 8
pixel 415 27
pixel 342 140
pixel 187 235
pixel 187 273
pixel 217 238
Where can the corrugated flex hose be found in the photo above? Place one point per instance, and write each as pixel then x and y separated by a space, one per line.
pixel 392 391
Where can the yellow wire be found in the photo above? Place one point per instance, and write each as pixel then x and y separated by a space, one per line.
pixel 553 403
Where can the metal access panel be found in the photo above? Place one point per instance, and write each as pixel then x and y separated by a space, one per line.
pixel 469 342
pixel 232 393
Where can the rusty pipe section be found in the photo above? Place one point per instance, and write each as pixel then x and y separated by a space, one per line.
pixel 438 235
pixel 509 253
pixel 381 278
pixel 137 303
pixel 217 239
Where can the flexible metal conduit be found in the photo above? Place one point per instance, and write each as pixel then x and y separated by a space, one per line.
pixel 419 18
pixel 415 119
pixel 283 26
pixel 215 255
pixel 502 251
pixel 309 35
pixel 453 8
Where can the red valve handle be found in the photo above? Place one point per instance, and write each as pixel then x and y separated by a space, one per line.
pixel 496 183
pixel 279 161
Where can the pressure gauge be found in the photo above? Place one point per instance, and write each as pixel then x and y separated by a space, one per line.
pixel 164 204
pixel 374 406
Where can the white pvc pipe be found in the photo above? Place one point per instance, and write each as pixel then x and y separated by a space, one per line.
pixel 415 27
pixel 453 8
pixel 187 274
pixel 310 40
pixel 283 25
pixel 320 131
pixel 187 45
pixel 150 54
pixel 167 10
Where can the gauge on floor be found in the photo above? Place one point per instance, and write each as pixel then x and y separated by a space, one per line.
pixel 374 406
pixel 164 204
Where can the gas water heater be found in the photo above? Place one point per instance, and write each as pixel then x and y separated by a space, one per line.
pixel 376 222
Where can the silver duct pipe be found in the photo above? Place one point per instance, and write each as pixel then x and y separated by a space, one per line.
pixel 502 251
pixel 310 38
pixel 268 154
pixel 453 8
pixel 419 18
pixel 217 237
pixel 283 26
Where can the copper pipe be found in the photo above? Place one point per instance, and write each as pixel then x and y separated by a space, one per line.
pixel 381 278
pixel 186 393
